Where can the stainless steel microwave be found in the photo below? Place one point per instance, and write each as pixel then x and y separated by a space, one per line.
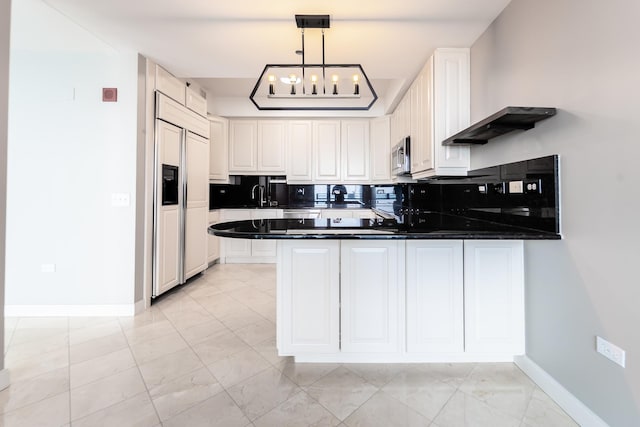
pixel 401 157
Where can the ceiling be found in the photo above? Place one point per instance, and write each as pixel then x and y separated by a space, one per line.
pixel 225 45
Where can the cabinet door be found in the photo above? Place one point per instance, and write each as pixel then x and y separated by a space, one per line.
pixel 195 102
pixel 451 105
pixel 169 85
pixel 494 296
pixel 272 142
pixel 168 217
pixel 422 120
pixel 243 146
pixel 264 248
pixel 326 150
pixel 219 150
pixel 197 204
pixel 355 150
pixel 434 296
pixel 235 248
pixel 308 297
pixel 371 276
pixel 213 242
pixel 300 153
pixel 380 141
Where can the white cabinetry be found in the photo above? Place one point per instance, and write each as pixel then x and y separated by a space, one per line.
pixel 300 152
pixel 195 102
pixel 272 144
pixel 347 213
pixel 355 150
pixel 308 297
pixel 401 119
pixel 441 94
pixel 380 145
pixel 197 204
pixel 218 150
pixel 326 150
pixel 243 146
pixel 257 147
pixel 435 296
pixel 170 85
pixel 213 243
pixel 248 250
pixel 494 296
pixel 371 287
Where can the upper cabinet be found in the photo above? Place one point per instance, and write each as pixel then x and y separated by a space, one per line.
pixel 443 96
pixel 218 150
pixel 355 150
pixel 300 152
pixel 257 147
pixel 195 102
pixel 435 107
pixel 272 144
pixel 326 150
pixel 170 85
pixel 380 149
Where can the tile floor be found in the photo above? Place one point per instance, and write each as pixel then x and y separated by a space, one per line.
pixel 205 355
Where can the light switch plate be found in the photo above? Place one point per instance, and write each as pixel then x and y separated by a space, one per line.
pixel 120 199
pixel 610 351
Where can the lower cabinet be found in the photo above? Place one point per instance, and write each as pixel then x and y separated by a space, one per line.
pixel 494 296
pixel 308 297
pixel 371 280
pixel 435 292
pixel 349 300
pixel 248 250
pixel 213 242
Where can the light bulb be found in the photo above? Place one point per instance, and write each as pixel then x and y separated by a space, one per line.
pixel 314 88
pixel 271 79
pixel 334 79
pixel 356 86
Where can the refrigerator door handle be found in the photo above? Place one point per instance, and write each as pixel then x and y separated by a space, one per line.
pixel 183 203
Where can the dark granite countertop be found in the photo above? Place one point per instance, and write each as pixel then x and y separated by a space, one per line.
pixel 429 225
pixel 332 205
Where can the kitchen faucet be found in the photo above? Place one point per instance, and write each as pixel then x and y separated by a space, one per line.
pixel 261 190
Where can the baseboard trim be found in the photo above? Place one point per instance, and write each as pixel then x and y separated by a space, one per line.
pixel 4 379
pixel 106 310
pixel 563 397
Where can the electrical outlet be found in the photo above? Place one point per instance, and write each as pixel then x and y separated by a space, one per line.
pixel 533 186
pixel 515 187
pixel 610 351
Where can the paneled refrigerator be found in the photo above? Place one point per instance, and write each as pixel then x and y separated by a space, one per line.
pixel 181 194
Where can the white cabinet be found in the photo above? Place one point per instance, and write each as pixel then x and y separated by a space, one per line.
pixel 257 147
pixel 435 312
pixel 326 151
pixel 248 250
pixel 170 85
pixel 195 102
pixel 213 242
pixel 197 204
pixel 272 144
pixel 218 150
pixel 308 297
pixel 355 150
pixel 300 152
pixel 401 119
pixel 442 95
pixel 370 287
pixel 243 146
pixel 494 296
pixel 380 149
pixel 347 213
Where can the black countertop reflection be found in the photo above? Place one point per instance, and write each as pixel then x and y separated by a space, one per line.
pixel 425 225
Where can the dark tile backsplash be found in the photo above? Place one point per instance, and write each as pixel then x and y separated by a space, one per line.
pixel 492 194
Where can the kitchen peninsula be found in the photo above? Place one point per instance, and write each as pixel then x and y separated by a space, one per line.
pixel 379 290
pixel 439 280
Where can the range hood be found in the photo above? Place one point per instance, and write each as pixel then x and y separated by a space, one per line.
pixel 504 121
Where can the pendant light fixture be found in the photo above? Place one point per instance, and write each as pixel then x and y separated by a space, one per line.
pixel 313 86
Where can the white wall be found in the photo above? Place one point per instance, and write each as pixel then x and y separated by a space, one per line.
pixel 5 25
pixel 68 153
pixel 581 57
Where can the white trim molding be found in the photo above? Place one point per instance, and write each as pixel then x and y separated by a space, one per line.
pixel 106 310
pixel 4 379
pixel 563 397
